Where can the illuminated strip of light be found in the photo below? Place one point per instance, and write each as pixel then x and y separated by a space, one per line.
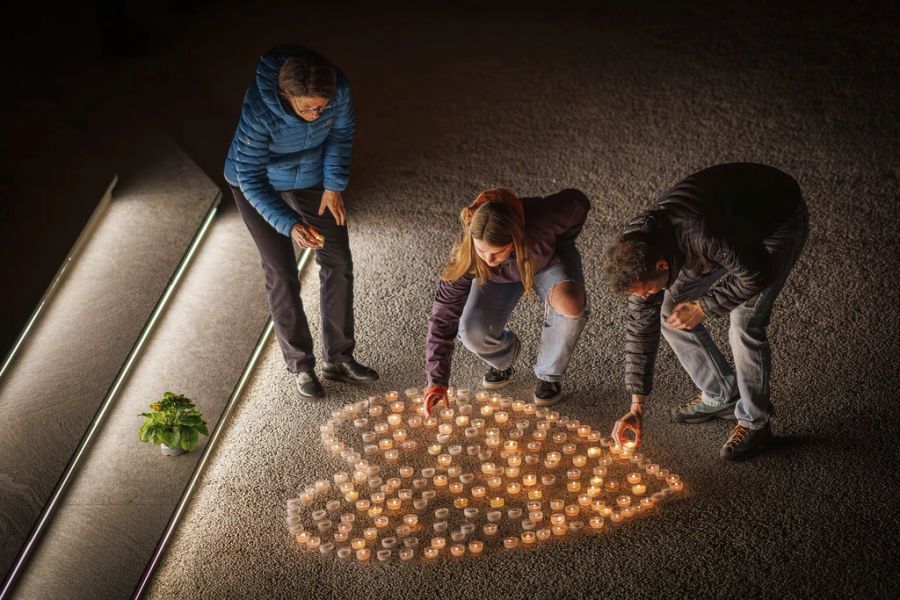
pixel 61 487
pixel 207 451
pixel 54 283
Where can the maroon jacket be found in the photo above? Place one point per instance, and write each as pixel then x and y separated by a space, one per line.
pixel 551 223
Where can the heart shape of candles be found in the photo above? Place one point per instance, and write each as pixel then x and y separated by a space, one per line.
pixel 515 479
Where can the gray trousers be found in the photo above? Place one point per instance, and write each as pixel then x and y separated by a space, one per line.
pixel 283 285
pixel 701 358
pixel 482 326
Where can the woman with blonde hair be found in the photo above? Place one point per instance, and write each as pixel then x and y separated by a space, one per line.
pixel 509 246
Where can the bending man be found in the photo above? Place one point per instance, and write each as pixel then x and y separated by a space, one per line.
pixel 721 242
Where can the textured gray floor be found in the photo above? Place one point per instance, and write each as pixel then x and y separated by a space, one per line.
pixel 619 101
pixel 80 342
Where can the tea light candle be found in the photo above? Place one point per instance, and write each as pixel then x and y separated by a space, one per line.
pixel 579 460
pixel 511 472
pixel 501 417
pixel 431 552
pixel 405 494
pixel 535 516
pixel 529 479
pixel 497 501
pixel 439 526
pixel 535 494
pixel 573 486
pixel 487 468
pixel 542 534
pixel 513 488
pixel 461 502
pixel 616 517
pixel 445 428
pixel 438 542
pixel 476 546
pixel 548 479
pixel 623 501
pixel 420 503
pixel 439 480
pixel 572 510
pixel 403 531
pixel 391 455
pixel 478 491
pixel 528 537
pixel 407 553
pixel 514 513
pixel 559 529
pixel 489 529
pixel 410 520
pixel 596 522
pixel 629 511
pixel 677 486
pixel 457 550
pixel 510 543
pixel 462 420
pixel 646 503
pixel 639 489
pixel 340 536
pixel 471 512
pixel 374 511
pixel 466 478
pixel 434 449
pixel 381 522
pixel 344 553
pixel 363 554
pixel 514 461
pixel 634 478
pixel 362 505
pixel 357 543
pixel 494 482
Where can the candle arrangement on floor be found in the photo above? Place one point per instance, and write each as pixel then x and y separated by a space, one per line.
pixel 487 472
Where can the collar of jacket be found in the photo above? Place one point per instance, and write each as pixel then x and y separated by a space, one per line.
pixel 504 196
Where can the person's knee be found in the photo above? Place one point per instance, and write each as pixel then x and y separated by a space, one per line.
pixel 568 298
pixel 474 335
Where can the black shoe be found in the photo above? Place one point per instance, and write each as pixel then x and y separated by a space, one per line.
pixel 308 385
pixel 495 379
pixel 349 372
pixel 547 393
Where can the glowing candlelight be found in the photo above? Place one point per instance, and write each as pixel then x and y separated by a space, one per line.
pixel 410 520
pixel 439 480
pixel 461 502
pixel 497 502
pixel 431 552
pixel 438 542
pixel 528 537
pixel 489 529
pixel 457 549
pixel 456 487
pixel 513 488
pixel 478 491
pixel 476 546
pixel 595 522
pixel 363 554
pixel 529 479
pixel 623 501
pixel 634 478
pixel 639 489
pixel 407 553
pixel 510 543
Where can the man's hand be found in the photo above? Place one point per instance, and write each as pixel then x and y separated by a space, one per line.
pixel 334 202
pixel 434 395
pixel 686 315
pixel 306 236
pixel 633 422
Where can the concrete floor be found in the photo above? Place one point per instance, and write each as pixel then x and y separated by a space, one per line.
pixel 619 101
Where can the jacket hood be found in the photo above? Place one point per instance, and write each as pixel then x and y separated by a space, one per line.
pixel 497 194
pixel 267 75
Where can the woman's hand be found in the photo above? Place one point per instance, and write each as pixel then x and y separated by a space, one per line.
pixel 306 236
pixel 433 395
pixel 334 202
pixel 632 422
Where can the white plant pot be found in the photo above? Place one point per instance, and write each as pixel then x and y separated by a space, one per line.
pixel 171 451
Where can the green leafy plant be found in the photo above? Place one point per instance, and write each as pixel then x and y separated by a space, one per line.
pixel 175 422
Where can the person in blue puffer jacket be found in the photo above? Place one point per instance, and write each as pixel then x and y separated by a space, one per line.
pixel 287 165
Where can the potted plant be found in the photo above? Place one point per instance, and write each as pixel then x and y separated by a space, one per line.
pixel 175 424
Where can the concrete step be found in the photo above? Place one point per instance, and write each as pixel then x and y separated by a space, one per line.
pixel 111 521
pixel 69 366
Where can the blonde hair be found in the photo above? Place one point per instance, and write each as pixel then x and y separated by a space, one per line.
pixel 497 224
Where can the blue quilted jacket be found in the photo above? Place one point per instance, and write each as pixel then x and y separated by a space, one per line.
pixel 275 150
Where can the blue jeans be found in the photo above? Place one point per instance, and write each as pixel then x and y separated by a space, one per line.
pixel 482 326
pixel 701 358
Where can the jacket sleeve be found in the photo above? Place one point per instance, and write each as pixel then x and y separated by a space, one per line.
pixel 339 143
pixel 747 275
pixel 443 325
pixel 251 162
pixel 641 342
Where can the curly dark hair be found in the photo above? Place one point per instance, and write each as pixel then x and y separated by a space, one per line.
pixel 307 74
pixel 630 259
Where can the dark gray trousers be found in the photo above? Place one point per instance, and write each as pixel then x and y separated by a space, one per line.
pixel 283 285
